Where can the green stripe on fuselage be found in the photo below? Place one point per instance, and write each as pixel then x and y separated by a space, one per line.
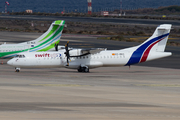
pixel 13 52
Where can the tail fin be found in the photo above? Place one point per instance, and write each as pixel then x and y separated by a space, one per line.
pixel 50 38
pixel 156 43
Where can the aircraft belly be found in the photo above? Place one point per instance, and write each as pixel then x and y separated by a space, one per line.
pixel 115 62
pixel 38 63
pixel 94 64
pixel 73 65
pixel 48 63
pixel 90 64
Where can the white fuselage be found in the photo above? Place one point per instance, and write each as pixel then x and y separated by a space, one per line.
pixel 58 59
pixel 85 59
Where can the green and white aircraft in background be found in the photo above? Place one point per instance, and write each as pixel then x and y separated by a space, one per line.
pixel 46 42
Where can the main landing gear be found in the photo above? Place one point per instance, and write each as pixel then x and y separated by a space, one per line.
pixel 83 69
pixel 17 69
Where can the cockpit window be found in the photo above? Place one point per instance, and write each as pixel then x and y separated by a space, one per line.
pixel 20 56
pixel 16 56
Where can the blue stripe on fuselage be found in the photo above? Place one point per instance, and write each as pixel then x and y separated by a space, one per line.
pixel 136 56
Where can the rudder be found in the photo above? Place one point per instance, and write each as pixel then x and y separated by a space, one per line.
pixel 163 29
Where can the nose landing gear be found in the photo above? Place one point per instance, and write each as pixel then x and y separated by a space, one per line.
pixel 17 69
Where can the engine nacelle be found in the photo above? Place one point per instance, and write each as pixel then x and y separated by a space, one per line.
pixel 76 52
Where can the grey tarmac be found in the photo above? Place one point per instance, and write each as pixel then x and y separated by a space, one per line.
pixel 108 93
pixel 105 93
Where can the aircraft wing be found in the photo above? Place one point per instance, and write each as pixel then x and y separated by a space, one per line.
pixel 84 52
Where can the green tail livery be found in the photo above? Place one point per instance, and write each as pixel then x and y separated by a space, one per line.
pixel 48 41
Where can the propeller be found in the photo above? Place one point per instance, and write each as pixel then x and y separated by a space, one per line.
pixel 67 53
pixel 56 47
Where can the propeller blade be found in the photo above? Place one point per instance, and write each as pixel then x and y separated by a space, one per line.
pixel 67 53
pixel 56 46
pixel 67 62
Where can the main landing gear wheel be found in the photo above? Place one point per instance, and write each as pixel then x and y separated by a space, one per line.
pixel 86 69
pixel 83 69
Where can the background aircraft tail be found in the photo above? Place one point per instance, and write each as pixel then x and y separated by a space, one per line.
pixel 152 48
pixel 49 39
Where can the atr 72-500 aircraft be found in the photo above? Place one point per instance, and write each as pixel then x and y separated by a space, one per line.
pixel 48 41
pixel 83 60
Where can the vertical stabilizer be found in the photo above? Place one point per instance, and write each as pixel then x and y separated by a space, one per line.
pixel 49 39
pixel 164 29
pixel 156 43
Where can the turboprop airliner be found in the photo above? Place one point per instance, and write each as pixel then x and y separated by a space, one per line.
pixel 85 59
pixel 46 42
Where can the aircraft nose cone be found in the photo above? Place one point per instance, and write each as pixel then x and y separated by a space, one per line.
pixel 10 62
